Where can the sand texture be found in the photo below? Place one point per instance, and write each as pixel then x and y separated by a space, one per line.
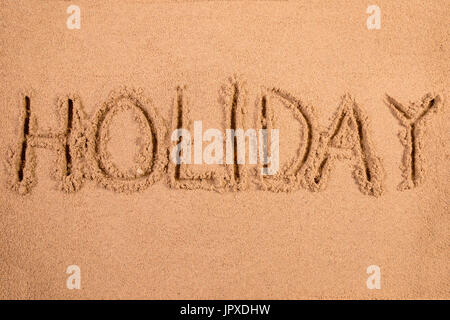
pixel 86 176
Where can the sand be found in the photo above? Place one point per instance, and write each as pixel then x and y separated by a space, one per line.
pixel 85 142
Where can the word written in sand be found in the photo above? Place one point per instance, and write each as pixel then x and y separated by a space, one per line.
pixel 81 145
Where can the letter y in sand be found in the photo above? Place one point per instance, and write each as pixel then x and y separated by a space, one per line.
pixel 413 118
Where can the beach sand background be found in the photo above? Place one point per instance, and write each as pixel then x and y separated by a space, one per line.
pixel 165 243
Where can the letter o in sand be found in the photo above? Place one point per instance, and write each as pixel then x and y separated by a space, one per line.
pixel 153 159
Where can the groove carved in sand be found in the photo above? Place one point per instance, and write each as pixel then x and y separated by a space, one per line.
pixel 348 131
pixel 292 174
pixel 68 142
pixel 233 98
pixel 151 161
pixel 413 119
pixel 179 175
